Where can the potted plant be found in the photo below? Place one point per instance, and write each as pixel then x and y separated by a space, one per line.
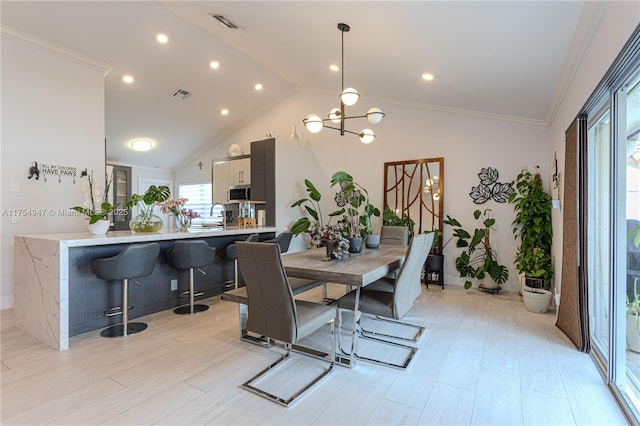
pixel 389 218
pixel 321 235
pixel 633 320
pixel 533 227
pixel 98 217
pixel 356 208
pixel 478 259
pixel 146 220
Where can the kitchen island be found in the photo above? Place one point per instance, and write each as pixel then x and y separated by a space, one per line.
pixel 57 295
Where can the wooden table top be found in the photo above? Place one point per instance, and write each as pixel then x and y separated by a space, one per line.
pixel 356 269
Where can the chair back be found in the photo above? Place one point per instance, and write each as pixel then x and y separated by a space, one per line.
pixel 407 286
pixel 283 240
pixel 185 254
pixel 272 308
pixel 134 261
pixel 395 235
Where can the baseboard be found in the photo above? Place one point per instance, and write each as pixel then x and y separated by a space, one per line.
pixel 7 302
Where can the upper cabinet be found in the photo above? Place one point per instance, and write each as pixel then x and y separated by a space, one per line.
pixel 119 194
pixel 228 172
pixel 240 172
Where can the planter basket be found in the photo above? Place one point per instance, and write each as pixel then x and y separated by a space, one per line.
pixel 536 300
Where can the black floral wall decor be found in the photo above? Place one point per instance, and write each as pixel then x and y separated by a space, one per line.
pixel 490 188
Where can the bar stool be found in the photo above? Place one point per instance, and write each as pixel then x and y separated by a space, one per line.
pixel 231 252
pixel 283 240
pixel 134 261
pixel 189 255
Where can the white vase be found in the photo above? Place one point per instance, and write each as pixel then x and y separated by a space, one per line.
pixel 536 300
pixel 99 228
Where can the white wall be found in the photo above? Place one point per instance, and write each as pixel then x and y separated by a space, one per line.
pixel 610 33
pixel 52 112
pixel 468 143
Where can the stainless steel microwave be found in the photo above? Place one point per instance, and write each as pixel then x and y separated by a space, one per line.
pixel 239 192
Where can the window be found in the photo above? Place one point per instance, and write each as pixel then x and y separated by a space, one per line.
pixel 199 195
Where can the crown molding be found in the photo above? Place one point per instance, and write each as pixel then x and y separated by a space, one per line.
pixel 590 18
pixel 54 49
pixel 416 105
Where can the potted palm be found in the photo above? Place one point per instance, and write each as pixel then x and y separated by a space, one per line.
pixel 353 198
pixel 478 258
pixel 533 227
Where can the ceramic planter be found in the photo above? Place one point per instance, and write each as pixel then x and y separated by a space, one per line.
pixel 536 300
pixel 99 228
pixel 372 241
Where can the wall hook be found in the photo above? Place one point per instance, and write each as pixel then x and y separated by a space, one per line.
pixel 34 171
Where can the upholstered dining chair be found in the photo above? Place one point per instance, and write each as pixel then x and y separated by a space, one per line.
pixel 389 300
pixel 231 252
pixel 283 240
pixel 395 235
pixel 275 314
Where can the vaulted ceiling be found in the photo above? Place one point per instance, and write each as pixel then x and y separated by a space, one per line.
pixel 497 58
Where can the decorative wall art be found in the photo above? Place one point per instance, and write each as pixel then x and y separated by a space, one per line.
pixel 53 169
pixel 490 188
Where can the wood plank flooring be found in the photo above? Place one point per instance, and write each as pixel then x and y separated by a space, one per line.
pixel 484 360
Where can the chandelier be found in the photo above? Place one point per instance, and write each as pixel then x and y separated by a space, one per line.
pixel 348 97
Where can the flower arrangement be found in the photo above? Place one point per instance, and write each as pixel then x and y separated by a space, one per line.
pixel 191 214
pixel 183 216
pixel 92 193
pixel 146 221
pixel 173 206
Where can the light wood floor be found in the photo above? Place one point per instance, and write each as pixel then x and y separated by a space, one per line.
pixel 484 360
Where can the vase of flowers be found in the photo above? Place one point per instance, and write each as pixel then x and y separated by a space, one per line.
pixel 333 239
pixel 181 217
pixel 98 217
pixel 146 220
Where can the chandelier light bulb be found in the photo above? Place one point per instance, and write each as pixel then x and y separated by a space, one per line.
pixel 367 136
pixel 375 115
pixel 334 115
pixel 313 123
pixel 349 96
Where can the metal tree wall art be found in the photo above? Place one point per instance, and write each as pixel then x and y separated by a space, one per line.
pixel 490 188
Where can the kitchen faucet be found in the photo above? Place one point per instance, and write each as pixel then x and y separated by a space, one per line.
pixel 224 216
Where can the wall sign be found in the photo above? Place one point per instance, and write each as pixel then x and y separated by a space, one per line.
pixel 52 169
pixel 490 188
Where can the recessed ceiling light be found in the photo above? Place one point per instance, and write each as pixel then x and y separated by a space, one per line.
pixel 224 111
pixel 427 76
pixel 258 86
pixel 334 68
pixel 127 79
pixel 141 144
pixel 214 64
pixel 162 38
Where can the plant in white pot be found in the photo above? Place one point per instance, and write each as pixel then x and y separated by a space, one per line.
pixel 633 320
pixel 533 227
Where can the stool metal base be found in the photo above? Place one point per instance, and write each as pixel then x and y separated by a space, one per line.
pixel 118 329
pixel 186 310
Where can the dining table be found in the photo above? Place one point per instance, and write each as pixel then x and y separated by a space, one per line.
pixel 355 269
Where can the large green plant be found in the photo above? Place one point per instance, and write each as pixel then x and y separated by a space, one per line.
pixel 312 206
pixel 389 218
pixel 532 226
pixel 354 200
pixel 478 259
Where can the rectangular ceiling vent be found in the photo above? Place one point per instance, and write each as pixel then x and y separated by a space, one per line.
pixel 181 94
pixel 225 21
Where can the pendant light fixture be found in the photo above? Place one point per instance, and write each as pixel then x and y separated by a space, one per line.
pixel 348 97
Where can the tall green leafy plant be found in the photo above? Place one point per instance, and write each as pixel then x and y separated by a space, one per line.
pixel 478 258
pixel 532 226
pixel 354 200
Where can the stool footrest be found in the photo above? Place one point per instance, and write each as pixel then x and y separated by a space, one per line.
pixel 115 311
pixel 186 293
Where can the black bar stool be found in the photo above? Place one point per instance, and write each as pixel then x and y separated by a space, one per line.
pixel 231 252
pixel 189 255
pixel 134 261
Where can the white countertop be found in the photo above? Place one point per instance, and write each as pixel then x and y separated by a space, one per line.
pixel 84 239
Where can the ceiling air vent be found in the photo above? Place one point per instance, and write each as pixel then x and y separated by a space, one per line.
pixel 225 21
pixel 181 94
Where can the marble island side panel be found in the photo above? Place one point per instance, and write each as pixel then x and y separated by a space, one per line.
pixel 42 273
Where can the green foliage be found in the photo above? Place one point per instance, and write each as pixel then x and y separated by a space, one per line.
pixel 477 259
pixel 532 225
pixel 634 235
pixel 154 196
pixel 354 200
pixel 389 218
pixel 312 206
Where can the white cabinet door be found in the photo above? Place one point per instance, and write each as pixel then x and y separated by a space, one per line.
pixel 240 172
pixel 220 182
